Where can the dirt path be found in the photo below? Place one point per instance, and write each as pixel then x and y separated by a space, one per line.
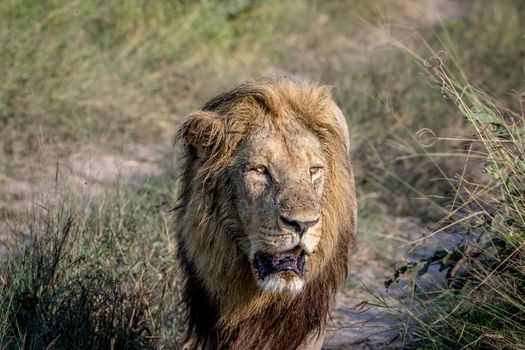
pixel 360 318
pixel 88 174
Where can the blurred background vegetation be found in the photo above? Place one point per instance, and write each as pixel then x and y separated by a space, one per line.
pixel 115 78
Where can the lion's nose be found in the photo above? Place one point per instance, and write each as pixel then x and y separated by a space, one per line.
pixel 299 226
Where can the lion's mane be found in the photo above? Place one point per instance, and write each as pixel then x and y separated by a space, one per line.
pixel 224 308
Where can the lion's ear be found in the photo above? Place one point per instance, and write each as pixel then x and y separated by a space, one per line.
pixel 340 121
pixel 204 131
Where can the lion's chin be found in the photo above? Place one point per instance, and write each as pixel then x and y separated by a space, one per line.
pixel 281 272
pixel 283 282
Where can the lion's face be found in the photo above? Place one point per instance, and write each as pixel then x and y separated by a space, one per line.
pixel 279 181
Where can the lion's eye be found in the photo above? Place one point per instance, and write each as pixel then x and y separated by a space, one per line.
pixel 261 169
pixel 315 169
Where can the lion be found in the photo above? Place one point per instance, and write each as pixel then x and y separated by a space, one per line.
pixel 266 216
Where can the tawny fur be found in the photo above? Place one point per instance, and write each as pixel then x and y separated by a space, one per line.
pixel 225 308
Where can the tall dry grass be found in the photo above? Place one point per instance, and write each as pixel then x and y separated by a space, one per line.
pixel 94 275
pixel 482 302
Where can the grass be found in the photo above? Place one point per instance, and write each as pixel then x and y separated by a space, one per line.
pixel 97 276
pixel 108 74
pixel 401 97
pixel 482 304
pixel 84 72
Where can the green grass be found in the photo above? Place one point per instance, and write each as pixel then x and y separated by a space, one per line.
pixel 108 74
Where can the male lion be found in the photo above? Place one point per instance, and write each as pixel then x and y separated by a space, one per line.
pixel 266 216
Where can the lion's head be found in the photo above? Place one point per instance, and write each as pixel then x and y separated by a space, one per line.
pixel 268 202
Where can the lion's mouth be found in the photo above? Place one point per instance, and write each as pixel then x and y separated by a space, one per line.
pixel 267 264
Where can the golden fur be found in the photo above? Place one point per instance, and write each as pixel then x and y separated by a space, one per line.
pixel 225 308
